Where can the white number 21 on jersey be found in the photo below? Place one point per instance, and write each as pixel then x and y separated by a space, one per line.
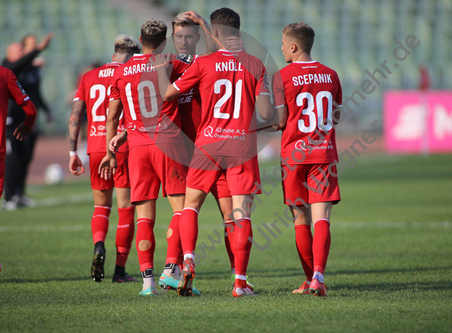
pixel 227 94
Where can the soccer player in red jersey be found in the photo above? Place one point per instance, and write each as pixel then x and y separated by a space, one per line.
pixel 10 88
pixel 308 97
pixel 230 83
pixel 157 152
pixel 185 37
pixel 92 95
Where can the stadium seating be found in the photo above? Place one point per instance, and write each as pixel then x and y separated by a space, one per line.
pixel 352 36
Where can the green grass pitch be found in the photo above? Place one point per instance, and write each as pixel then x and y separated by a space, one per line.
pixel 389 270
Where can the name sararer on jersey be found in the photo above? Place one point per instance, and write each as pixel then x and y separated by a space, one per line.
pixel 139 68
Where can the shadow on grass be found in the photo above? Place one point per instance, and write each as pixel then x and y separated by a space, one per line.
pixel 107 279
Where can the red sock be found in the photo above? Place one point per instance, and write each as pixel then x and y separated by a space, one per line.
pixel 124 234
pixel 99 223
pixel 174 252
pixel 303 239
pixel 242 246
pixel 321 244
pixel 145 242
pixel 188 228
pixel 229 240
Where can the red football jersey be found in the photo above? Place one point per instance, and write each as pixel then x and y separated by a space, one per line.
pixel 94 90
pixel 148 118
pixel 190 112
pixel 10 88
pixel 228 85
pixel 308 90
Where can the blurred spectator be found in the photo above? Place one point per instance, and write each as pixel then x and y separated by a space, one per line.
pixel 21 59
pixel 424 80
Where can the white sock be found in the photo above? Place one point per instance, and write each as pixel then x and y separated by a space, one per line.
pixel 148 278
pixel 241 277
pixel 189 256
pixel 318 276
pixel 171 270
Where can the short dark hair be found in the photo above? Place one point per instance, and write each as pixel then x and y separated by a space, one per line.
pixel 153 32
pixel 302 33
pixel 227 20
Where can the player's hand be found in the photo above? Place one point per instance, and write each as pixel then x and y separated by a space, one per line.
pixel 117 141
pixel 195 17
pixel 107 167
pixel 45 42
pixel 235 43
pixel 76 166
pixel 22 132
pixel 161 61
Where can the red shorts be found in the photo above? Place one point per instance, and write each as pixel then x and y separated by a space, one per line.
pixel 294 188
pixel 121 177
pixel 239 179
pixel 220 189
pixel 149 168
pixel 2 174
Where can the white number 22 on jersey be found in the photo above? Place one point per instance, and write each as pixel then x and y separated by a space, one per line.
pixel 103 93
pixel 312 123
pixel 228 93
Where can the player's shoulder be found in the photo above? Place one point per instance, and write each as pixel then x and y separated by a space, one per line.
pixel 4 70
pixel 183 57
pixel 326 68
pixel 7 74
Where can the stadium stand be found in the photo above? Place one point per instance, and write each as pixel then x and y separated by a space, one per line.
pixel 352 36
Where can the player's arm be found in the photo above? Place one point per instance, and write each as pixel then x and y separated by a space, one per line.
pixel 167 90
pixel 337 114
pixel 281 113
pixel 265 107
pixel 75 119
pixel 337 103
pixel 23 130
pixel 280 102
pixel 108 165
pixel 211 42
pixel 117 141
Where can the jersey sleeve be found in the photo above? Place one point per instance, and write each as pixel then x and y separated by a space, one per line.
pixel 188 79
pixel 279 99
pixel 115 92
pixel 180 63
pixel 17 92
pixel 262 87
pixel 80 94
pixel 338 98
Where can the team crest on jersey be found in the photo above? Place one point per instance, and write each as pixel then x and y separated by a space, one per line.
pixel 187 58
pixel 20 87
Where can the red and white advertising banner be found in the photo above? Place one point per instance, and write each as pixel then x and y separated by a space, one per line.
pixel 418 122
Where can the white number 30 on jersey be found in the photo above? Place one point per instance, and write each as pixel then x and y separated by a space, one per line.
pixel 310 125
